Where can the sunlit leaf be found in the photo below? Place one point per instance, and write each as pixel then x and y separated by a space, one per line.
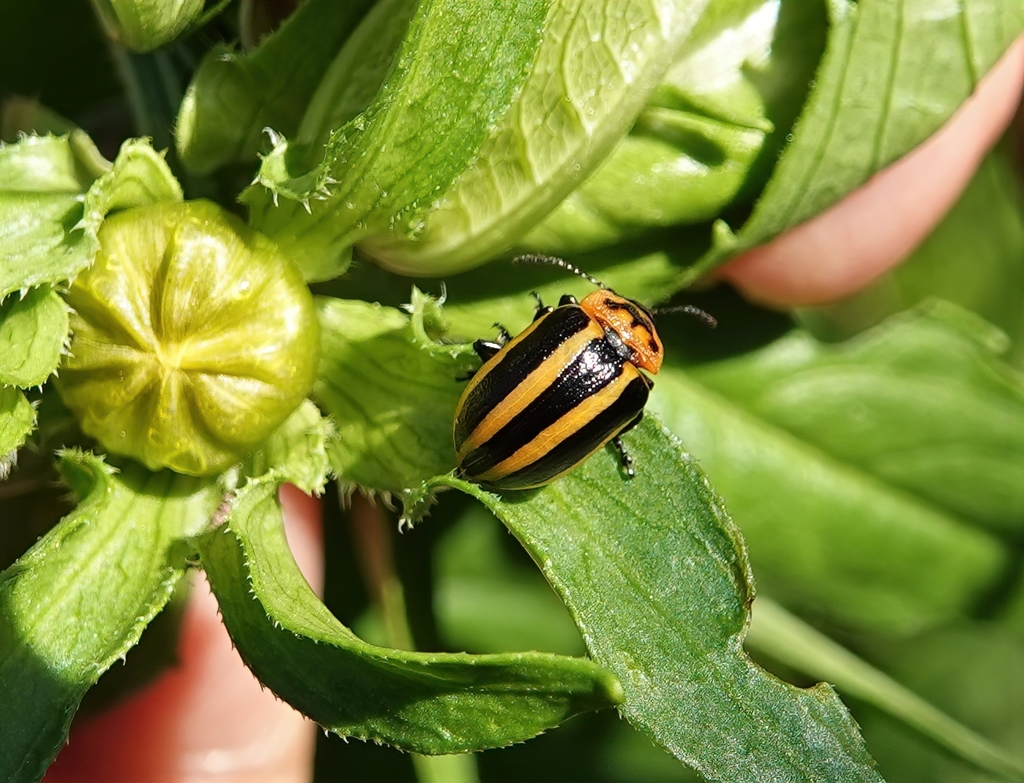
pixel 54 194
pixel 432 703
pixel 655 574
pixel 33 332
pixel 235 96
pixel 81 597
pixel 891 75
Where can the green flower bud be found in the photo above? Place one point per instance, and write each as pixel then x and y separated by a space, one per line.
pixel 193 338
pixel 143 25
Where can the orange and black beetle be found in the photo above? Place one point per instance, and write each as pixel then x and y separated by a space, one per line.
pixel 568 384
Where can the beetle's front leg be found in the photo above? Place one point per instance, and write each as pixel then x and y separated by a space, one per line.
pixel 542 309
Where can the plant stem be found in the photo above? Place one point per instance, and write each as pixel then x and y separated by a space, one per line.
pixel 791 641
pixel 372 533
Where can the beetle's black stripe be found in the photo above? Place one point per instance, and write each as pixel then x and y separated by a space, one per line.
pixel 523 355
pixel 597 365
pixel 584 442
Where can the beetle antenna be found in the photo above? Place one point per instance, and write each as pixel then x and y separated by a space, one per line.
pixel 553 261
pixel 709 320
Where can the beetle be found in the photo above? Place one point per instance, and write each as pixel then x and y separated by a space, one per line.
pixel 572 381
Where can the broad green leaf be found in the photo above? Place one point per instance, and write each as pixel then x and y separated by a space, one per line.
pixel 825 537
pixel 54 194
pixel 923 402
pixel 485 601
pixel 593 71
pixel 33 331
pixel 502 291
pixel 789 640
pixel 506 118
pixel 975 258
pixel 234 96
pixel 708 136
pixel 891 75
pixel 656 576
pixel 391 391
pixel 433 703
pixel 17 420
pixel 460 66
pixel 297 450
pixel 971 671
pixel 824 534
pixel 81 597
pixel 357 72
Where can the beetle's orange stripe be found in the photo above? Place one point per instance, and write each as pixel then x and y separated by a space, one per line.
pixel 563 428
pixel 532 386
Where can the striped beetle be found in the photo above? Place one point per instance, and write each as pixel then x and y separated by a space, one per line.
pixel 543 402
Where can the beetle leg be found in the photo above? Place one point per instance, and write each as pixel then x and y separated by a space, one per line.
pixel 542 309
pixel 624 458
pixel 568 299
pixel 503 335
pixel 486 350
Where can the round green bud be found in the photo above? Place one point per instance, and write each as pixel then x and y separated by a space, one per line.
pixel 192 338
pixel 143 25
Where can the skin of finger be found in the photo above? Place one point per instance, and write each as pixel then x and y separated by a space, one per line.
pixel 878 225
pixel 208 718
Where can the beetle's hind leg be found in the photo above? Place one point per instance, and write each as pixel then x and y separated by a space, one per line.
pixel 624 458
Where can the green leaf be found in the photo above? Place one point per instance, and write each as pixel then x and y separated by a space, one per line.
pixel 975 258
pixel 710 133
pixel 656 576
pixel 505 119
pixel 139 177
pixel 486 601
pixel 80 598
pixel 33 332
pixel 433 703
pixel 460 66
pixel 234 96
pixel 787 639
pixel 357 73
pixel 892 74
pixel 391 391
pixel 924 402
pixel 54 194
pixel 824 537
pixel 17 420
pixel 297 450
pixel 970 670
pixel 41 181
pixel 592 72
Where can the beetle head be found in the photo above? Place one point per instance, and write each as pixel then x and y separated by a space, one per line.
pixel 631 321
